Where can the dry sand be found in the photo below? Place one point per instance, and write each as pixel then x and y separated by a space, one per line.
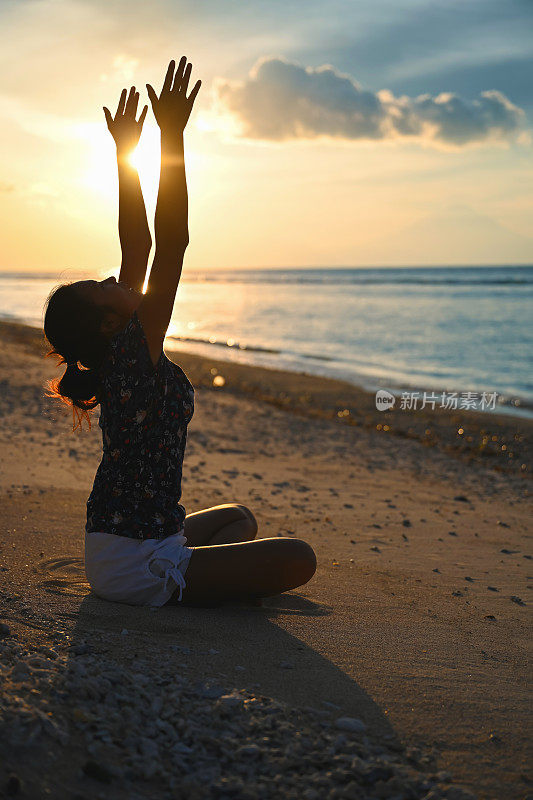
pixel 417 618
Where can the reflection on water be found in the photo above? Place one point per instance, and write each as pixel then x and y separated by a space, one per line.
pixel 452 329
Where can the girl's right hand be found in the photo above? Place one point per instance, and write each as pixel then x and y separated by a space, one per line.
pixel 172 108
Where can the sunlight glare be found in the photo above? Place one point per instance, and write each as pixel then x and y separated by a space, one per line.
pixel 146 159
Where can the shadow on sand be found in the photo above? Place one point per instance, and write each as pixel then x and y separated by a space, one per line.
pixel 239 646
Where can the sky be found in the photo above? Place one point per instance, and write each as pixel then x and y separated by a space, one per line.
pixel 340 133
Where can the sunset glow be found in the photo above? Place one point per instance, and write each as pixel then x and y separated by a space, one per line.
pixel 311 148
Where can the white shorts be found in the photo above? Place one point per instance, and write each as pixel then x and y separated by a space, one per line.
pixel 139 572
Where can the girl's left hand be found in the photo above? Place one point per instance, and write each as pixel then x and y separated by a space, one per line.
pixel 124 128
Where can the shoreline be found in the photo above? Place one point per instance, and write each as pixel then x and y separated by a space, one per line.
pixel 500 441
pixel 513 406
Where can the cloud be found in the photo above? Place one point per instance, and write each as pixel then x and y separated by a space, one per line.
pixel 51 126
pixel 282 100
pixel 124 69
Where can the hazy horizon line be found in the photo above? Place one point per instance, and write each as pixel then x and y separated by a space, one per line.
pixel 80 271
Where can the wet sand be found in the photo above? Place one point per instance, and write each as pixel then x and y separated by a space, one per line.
pixel 417 620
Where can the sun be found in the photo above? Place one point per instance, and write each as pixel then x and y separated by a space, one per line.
pixel 100 173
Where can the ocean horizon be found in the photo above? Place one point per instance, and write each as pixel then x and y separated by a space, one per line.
pixel 401 329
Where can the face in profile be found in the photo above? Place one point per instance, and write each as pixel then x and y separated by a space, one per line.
pixel 116 298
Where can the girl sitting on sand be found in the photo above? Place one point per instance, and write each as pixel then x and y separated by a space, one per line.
pixel 110 335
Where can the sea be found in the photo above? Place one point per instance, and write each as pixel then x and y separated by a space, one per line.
pixel 407 330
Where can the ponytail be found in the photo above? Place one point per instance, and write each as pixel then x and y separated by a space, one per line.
pixel 72 327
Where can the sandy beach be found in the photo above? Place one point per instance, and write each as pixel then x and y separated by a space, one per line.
pixel 417 621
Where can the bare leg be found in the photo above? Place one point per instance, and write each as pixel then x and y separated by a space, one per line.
pixel 255 569
pixel 223 524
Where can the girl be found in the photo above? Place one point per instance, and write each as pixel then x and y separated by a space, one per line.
pixel 140 547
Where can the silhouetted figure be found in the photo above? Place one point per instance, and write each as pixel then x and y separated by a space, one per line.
pixel 140 546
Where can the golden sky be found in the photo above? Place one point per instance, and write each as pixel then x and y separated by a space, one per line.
pixel 323 135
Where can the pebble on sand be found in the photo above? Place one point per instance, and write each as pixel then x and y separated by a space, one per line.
pixel 350 724
pixel 517 600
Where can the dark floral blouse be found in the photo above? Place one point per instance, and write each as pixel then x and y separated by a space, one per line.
pixel 144 413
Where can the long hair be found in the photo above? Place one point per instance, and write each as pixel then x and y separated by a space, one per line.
pixel 72 328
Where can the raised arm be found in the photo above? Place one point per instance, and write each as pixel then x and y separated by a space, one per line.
pixel 171 110
pixel 134 233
